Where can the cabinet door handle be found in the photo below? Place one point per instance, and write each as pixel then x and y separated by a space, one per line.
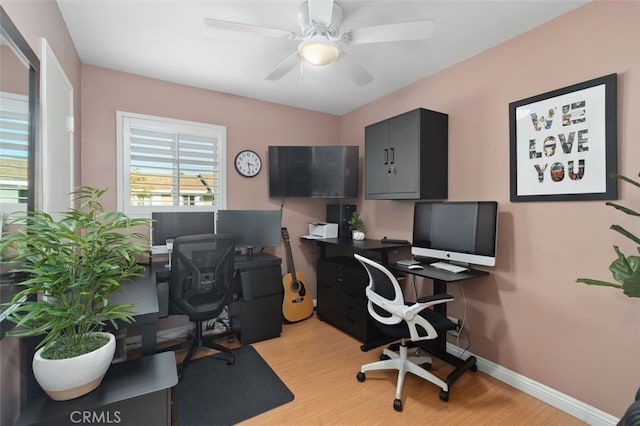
pixel 393 155
pixel 386 156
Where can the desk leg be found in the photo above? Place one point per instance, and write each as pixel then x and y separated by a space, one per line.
pixel 148 334
pixel 438 347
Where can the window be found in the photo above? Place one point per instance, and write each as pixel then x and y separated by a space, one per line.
pixel 14 155
pixel 169 165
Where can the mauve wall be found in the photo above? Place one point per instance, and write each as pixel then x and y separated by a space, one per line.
pixel 251 124
pixel 529 315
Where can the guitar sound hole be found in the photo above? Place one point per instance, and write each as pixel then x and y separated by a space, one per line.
pixel 295 286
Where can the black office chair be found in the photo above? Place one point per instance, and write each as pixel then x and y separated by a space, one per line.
pixel 407 322
pixel 201 285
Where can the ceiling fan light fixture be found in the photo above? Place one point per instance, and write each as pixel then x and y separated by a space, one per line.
pixel 318 52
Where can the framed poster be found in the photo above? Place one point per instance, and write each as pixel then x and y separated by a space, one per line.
pixel 564 143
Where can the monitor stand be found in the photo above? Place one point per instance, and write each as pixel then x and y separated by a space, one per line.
pixel 169 243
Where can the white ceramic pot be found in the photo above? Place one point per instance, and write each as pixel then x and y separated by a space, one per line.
pixel 357 235
pixel 64 379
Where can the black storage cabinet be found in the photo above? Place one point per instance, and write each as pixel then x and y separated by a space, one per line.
pixel 342 301
pixel 257 314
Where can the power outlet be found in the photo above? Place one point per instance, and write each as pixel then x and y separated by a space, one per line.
pixel 458 324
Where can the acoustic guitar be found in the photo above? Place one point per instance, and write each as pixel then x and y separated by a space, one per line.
pixel 297 304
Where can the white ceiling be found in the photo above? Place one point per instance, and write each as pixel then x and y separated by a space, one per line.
pixel 168 40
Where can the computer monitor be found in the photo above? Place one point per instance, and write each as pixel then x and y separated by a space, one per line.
pixel 459 232
pixel 251 228
pixel 169 225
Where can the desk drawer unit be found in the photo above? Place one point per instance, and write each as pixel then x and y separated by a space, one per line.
pixel 341 297
pixel 257 315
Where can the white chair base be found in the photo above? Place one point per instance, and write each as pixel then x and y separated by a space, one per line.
pixel 405 363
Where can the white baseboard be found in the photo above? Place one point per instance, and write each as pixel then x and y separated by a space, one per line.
pixel 578 409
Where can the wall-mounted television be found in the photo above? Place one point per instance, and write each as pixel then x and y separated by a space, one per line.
pixel 313 171
pixel 458 232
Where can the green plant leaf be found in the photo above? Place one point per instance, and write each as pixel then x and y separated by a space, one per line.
pixel 78 261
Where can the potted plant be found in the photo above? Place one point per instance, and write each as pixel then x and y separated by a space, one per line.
pixel 625 269
pixel 72 266
pixel 356 224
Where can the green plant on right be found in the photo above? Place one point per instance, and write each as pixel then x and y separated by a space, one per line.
pixel 355 222
pixel 625 269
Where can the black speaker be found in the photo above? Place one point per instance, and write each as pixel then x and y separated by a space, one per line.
pixel 340 214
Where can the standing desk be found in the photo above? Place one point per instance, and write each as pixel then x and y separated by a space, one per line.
pixel 438 346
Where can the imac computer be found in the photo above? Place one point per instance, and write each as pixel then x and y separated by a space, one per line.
pixel 458 233
pixel 251 228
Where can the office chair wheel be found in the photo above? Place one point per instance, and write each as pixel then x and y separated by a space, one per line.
pixel 444 395
pixel 231 361
pixel 397 404
pixel 231 339
pixel 360 376
pixel 426 365
pixel 384 357
pixel 474 368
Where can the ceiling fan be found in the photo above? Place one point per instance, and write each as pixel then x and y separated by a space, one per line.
pixel 320 38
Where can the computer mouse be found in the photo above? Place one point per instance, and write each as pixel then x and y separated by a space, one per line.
pixel 415 267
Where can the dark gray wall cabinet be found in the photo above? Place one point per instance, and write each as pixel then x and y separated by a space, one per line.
pixel 406 157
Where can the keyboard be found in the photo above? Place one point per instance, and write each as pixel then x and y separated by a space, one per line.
pixel 449 267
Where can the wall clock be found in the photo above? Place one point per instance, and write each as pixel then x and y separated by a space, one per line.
pixel 248 163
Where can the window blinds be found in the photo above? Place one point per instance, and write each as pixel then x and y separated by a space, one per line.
pixel 171 166
pixel 14 147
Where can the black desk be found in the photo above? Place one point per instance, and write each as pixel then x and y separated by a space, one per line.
pixel 354 246
pixel 438 346
pixel 137 392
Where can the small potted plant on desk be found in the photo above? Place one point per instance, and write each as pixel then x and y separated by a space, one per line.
pixel 356 224
pixel 72 266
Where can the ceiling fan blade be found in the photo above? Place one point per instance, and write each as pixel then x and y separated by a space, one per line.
pixel 320 11
pixel 347 65
pixel 247 28
pixel 284 67
pixel 402 31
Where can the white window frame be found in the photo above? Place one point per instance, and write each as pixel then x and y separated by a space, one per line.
pixel 165 124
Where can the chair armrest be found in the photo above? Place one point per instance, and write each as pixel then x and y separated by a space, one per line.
pixel 423 303
pixel 443 297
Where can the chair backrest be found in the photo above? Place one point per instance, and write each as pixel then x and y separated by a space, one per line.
pixel 386 303
pixel 201 278
pixel 383 291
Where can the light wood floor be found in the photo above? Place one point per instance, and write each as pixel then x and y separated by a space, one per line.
pixel 319 364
